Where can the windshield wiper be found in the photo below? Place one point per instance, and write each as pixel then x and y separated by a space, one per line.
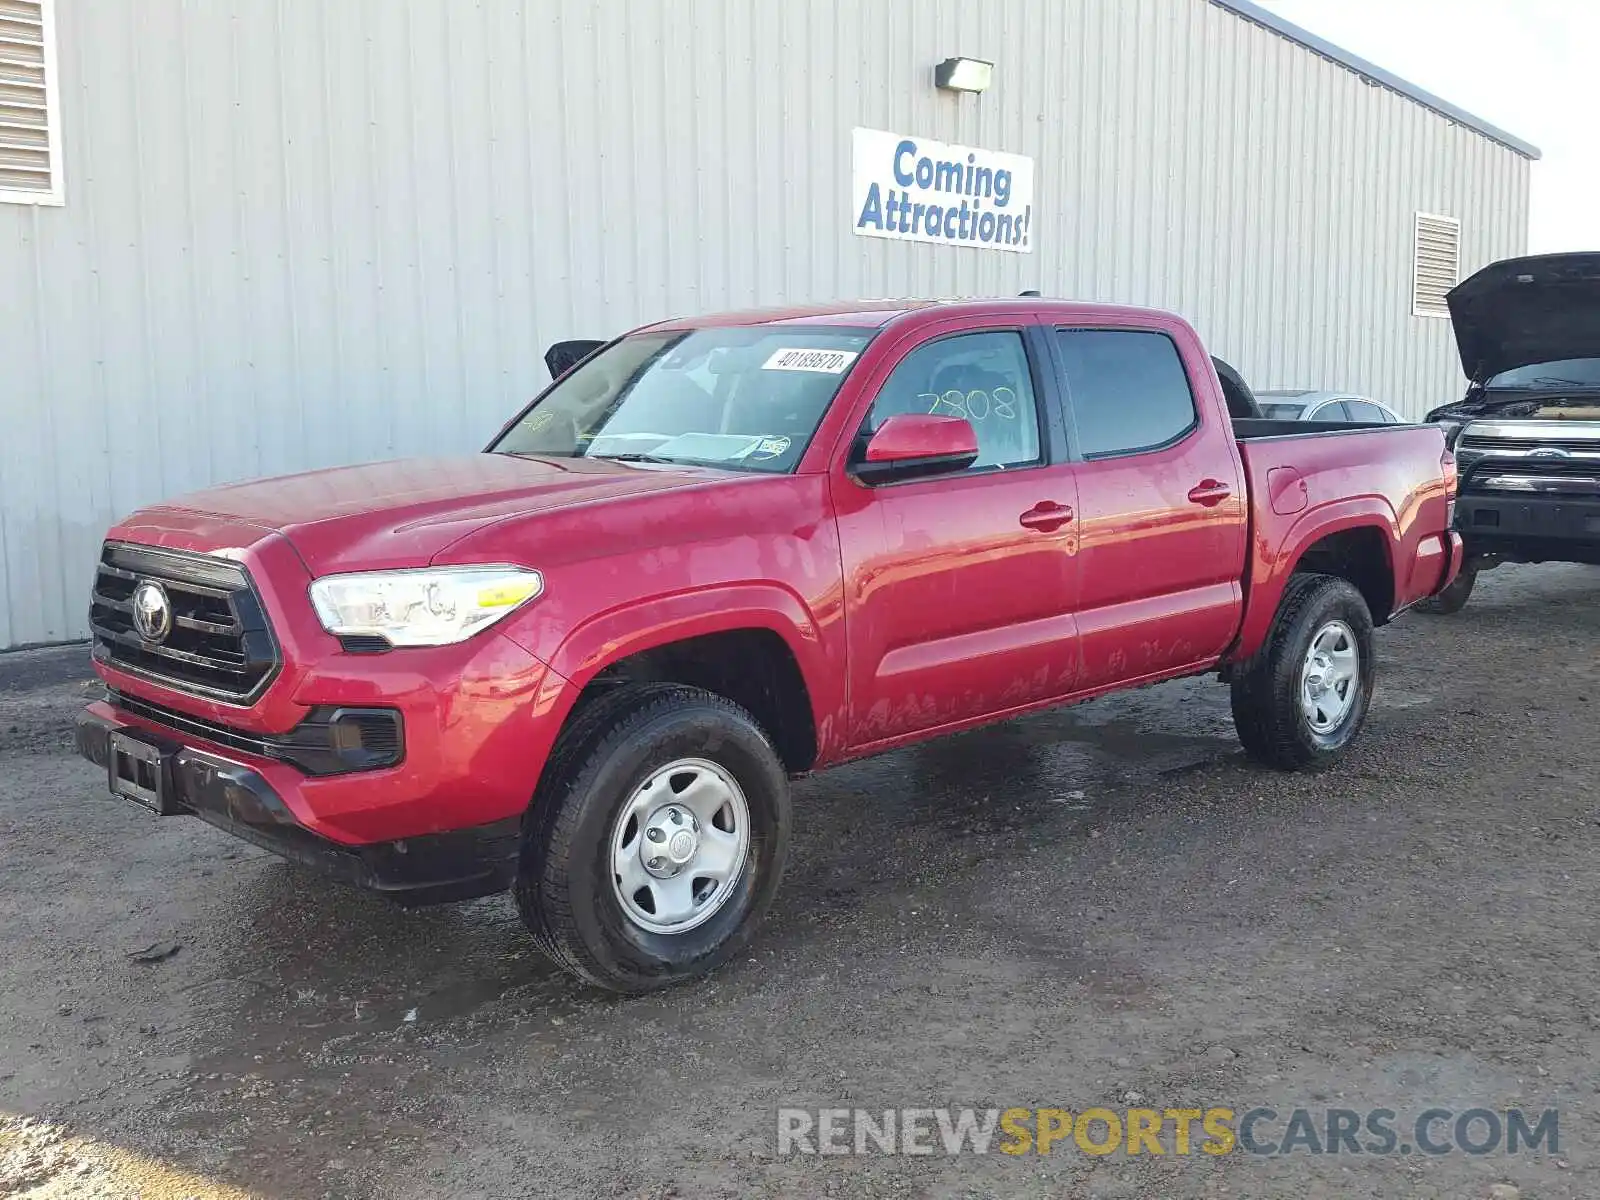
pixel 635 456
pixel 1557 381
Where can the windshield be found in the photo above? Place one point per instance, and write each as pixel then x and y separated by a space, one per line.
pixel 1282 412
pixel 746 398
pixel 1563 373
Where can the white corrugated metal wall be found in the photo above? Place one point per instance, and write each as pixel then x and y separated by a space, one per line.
pixel 300 233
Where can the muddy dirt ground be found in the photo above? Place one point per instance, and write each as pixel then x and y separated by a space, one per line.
pixel 1060 911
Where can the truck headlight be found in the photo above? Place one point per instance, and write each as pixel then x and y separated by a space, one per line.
pixel 430 607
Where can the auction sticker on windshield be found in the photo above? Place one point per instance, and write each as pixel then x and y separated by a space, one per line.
pixel 804 358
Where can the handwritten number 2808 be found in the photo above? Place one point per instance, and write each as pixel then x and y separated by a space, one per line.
pixel 973 405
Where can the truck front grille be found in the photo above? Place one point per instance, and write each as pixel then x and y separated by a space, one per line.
pixel 1521 447
pixel 217 644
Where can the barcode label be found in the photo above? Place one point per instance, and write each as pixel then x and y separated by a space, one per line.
pixel 829 362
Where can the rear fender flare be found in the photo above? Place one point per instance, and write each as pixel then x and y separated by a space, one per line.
pixel 1275 564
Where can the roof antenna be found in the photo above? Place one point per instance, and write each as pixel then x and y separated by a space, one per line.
pixel 1029 292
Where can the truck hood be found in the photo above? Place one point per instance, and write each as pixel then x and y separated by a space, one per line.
pixel 406 512
pixel 1527 310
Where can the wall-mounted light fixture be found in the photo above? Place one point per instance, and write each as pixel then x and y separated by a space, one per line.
pixel 963 75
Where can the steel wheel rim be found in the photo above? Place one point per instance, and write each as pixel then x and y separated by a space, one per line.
pixel 679 846
pixel 1330 678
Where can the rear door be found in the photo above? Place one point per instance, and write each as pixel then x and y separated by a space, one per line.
pixel 959 588
pixel 1161 504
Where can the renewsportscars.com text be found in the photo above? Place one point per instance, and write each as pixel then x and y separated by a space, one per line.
pixel 1165 1131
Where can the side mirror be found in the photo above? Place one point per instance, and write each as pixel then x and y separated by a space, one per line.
pixel 908 445
pixel 563 356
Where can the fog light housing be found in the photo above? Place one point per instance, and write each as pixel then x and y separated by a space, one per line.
pixel 365 739
pixel 337 741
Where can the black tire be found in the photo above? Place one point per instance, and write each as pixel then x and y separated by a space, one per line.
pixel 564 887
pixel 1454 598
pixel 1267 709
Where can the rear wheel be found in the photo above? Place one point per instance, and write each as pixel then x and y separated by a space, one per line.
pixel 1305 697
pixel 1454 598
pixel 657 838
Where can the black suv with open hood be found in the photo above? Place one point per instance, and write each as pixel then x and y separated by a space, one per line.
pixel 1527 434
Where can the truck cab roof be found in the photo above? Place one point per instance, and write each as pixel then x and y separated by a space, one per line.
pixel 881 314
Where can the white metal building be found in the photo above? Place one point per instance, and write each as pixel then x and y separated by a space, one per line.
pixel 245 237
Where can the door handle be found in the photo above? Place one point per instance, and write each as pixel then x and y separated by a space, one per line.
pixel 1046 516
pixel 1209 492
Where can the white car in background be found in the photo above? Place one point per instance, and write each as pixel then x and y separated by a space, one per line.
pixel 1326 406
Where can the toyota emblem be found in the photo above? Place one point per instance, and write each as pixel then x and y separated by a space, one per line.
pixel 152 611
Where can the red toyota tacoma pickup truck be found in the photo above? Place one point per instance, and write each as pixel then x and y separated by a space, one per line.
pixel 718 554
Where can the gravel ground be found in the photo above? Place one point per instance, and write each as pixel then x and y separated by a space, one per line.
pixel 1067 910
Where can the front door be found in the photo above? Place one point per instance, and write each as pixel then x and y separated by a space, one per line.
pixel 959 588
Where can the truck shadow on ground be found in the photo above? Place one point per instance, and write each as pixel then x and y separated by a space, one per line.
pixel 883 821
pixel 357 961
pixel 315 994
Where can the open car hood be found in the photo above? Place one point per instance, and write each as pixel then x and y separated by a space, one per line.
pixel 1524 311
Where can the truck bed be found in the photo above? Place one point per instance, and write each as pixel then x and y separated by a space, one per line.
pixel 1322 478
pixel 1255 428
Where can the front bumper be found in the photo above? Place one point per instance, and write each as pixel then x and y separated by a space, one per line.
pixel 477 720
pixel 1530 528
pixel 236 794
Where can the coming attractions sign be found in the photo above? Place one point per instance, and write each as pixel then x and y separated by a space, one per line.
pixel 916 190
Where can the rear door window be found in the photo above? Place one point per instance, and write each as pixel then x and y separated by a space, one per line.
pixel 1126 389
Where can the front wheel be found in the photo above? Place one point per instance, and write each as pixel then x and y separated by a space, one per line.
pixel 1305 697
pixel 656 840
